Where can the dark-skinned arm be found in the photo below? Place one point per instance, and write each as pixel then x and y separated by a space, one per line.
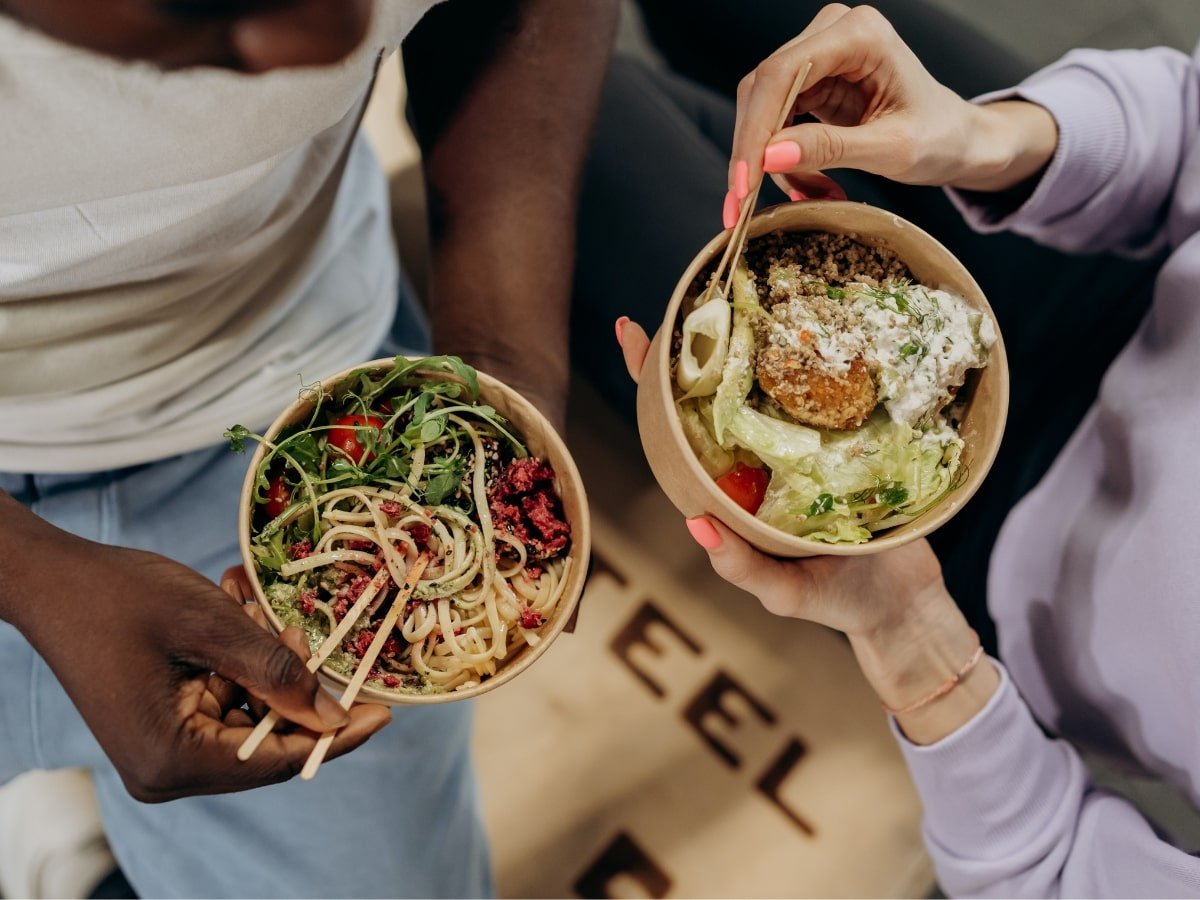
pixel 503 94
pixel 133 638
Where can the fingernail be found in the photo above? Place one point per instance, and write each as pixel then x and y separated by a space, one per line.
pixel 741 179
pixel 329 711
pixel 729 215
pixel 781 157
pixel 796 196
pixel 704 534
pixel 621 323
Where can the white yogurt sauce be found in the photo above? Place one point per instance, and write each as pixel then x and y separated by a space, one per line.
pixel 920 343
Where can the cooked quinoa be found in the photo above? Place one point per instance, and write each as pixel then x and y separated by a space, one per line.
pixel 825 258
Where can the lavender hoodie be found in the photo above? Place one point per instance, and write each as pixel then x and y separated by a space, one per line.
pixel 1095 579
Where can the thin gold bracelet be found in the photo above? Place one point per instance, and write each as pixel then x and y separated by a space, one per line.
pixel 943 689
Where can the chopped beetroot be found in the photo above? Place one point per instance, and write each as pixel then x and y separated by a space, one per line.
pixel 523 503
pixel 390 508
pixel 504 513
pixel 391 681
pixel 362 642
pixel 421 533
pixel 523 476
pixel 307 601
pixel 340 608
pixel 365 546
pixel 391 647
pixel 542 512
pixel 301 549
pixel 356 587
pixel 531 618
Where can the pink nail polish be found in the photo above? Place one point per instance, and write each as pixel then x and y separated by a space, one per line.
pixel 741 179
pixel 729 215
pixel 704 534
pixel 797 196
pixel 781 157
pixel 621 323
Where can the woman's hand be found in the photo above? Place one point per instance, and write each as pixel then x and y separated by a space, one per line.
pixel 879 110
pixel 158 660
pixel 906 631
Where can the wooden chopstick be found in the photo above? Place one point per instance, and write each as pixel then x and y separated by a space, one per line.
pixel 368 661
pixel 267 723
pixel 737 238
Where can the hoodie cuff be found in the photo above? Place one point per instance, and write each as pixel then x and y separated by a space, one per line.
pixel 995 782
pixel 1092 139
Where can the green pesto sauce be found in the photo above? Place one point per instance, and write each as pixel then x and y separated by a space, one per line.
pixel 283 598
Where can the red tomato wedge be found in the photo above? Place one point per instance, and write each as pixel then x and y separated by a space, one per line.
pixel 345 436
pixel 279 495
pixel 746 486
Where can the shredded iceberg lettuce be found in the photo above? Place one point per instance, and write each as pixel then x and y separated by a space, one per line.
pixel 777 443
pixel 738 376
pixel 858 478
pixel 695 417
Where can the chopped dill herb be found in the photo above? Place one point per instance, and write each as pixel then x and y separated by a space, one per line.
pixel 823 504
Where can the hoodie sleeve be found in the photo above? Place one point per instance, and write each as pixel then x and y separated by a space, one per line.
pixel 1127 121
pixel 1010 812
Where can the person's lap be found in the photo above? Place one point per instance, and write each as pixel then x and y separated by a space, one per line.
pixel 651 198
pixel 398 817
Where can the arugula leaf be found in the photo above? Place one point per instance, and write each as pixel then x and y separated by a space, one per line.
pixel 410 372
pixel 444 484
pixel 431 429
pixel 270 554
pixel 421 407
pixel 237 438
pixel 341 467
pixel 303 448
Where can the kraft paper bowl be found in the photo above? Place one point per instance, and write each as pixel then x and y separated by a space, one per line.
pixel 674 464
pixel 542 440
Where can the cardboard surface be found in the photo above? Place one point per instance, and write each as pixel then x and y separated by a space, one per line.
pixel 684 742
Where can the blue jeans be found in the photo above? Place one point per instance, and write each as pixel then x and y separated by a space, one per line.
pixel 397 817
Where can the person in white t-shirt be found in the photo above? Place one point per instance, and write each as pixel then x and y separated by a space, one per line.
pixel 190 222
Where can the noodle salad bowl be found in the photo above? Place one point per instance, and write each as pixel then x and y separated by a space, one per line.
pixel 843 392
pixel 403 459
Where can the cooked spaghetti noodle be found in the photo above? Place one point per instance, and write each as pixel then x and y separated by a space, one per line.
pixel 389 466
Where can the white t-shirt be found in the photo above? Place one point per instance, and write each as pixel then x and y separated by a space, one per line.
pixel 177 248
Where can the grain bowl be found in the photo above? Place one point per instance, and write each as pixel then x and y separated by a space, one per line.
pixel 844 391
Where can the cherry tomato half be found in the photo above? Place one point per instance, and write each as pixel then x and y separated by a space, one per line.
pixel 279 495
pixel 344 436
pixel 745 485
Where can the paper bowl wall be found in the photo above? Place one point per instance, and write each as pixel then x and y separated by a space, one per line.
pixel 543 441
pixel 674 464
